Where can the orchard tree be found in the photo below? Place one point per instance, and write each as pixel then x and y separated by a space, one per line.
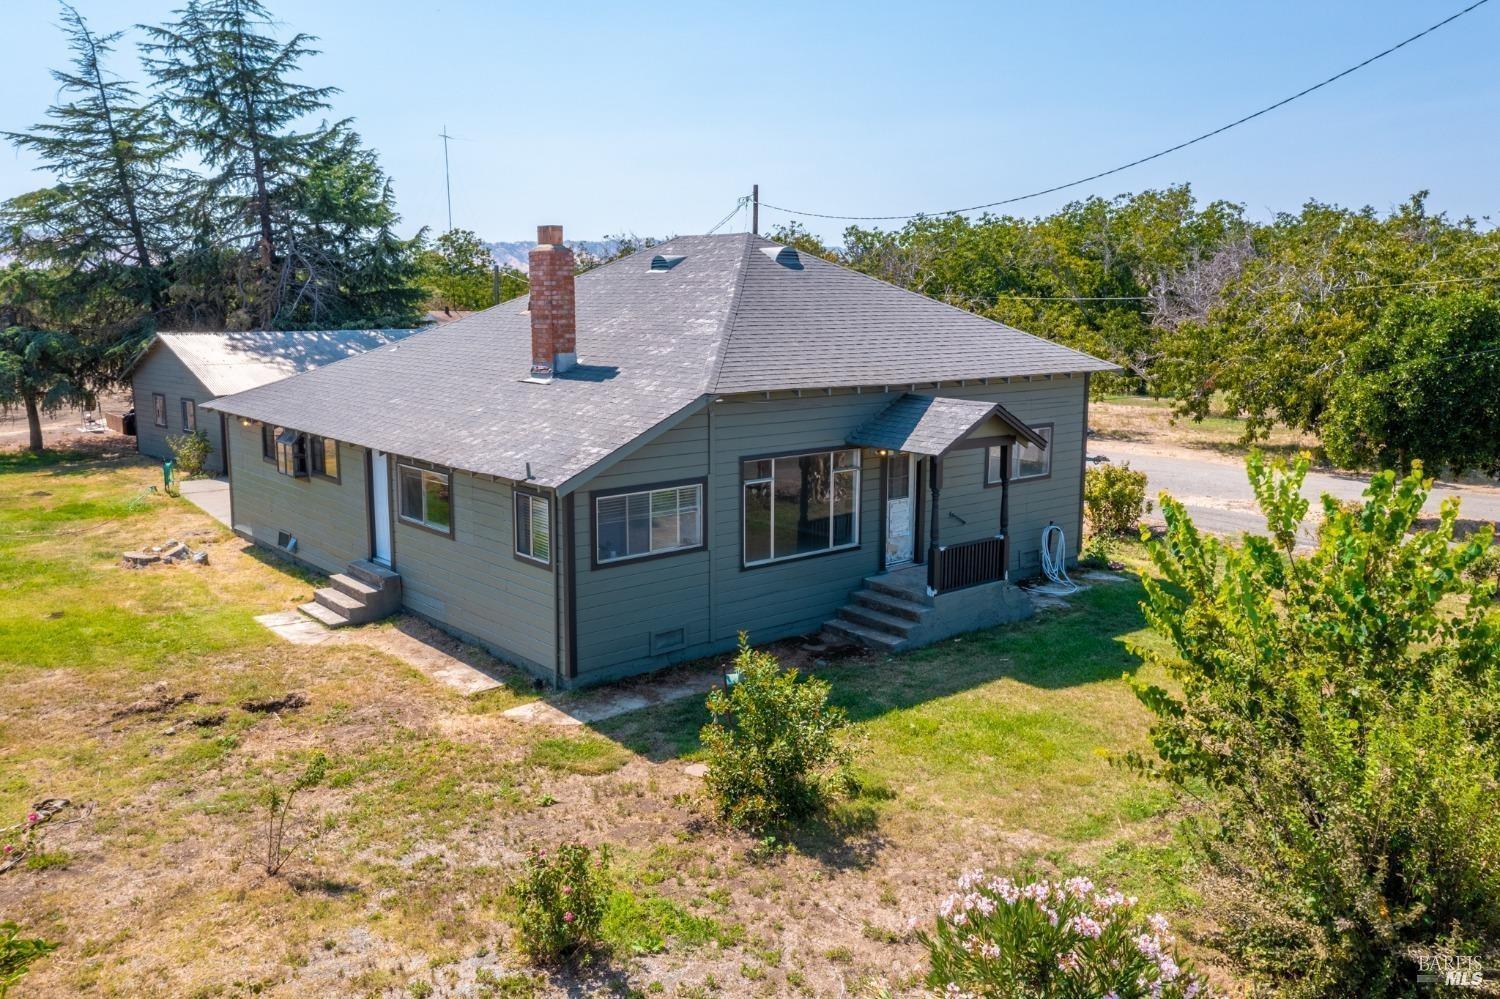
pixel 1423 386
pixel 1334 718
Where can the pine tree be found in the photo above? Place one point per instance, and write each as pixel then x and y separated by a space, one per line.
pixel 228 85
pixel 109 153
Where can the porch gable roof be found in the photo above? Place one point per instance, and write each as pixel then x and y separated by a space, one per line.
pixel 935 425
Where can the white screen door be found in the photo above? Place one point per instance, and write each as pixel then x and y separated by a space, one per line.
pixel 900 508
pixel 380 502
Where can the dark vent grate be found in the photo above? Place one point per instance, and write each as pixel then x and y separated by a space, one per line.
pixel 665 262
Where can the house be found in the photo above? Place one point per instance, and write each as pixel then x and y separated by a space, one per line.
pixel 178 372
pixel 714 435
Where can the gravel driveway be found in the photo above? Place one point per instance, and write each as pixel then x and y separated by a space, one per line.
pixel 1217 493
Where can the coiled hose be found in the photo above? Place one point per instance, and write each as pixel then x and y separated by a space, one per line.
pixel 1055 558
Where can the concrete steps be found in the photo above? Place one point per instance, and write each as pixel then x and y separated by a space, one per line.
pixel 367 592
pixel 883 614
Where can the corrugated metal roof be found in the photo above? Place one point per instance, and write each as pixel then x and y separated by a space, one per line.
pixel 650 345
pixel 230 362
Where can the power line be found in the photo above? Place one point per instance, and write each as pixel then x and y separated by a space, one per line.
pixel 1336 291
pixel 735 211
pixel 1144 159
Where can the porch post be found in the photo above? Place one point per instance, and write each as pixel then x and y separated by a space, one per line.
pixel 1005 510
pixel 935 485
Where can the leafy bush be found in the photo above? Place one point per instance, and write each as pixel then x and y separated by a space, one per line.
pixel 1098 551
pixel 1042 940
pixel 560 900
pixel 1342 709
pixel 190 453
pixel 774 746
pixel 1486 569
pixel 17 954
pixel 1114 498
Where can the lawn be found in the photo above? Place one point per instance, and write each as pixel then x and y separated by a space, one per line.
pixel 124 691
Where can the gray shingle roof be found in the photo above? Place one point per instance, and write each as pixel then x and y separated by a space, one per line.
pixel 924 424
pixel 651 344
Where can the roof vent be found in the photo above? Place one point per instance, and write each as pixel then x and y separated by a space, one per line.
pixel 784 255
pixel 666 261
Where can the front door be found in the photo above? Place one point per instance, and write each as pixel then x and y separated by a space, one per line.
pixel 900 508
pixel 380 507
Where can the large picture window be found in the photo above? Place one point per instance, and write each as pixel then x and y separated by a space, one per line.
pixel 649 522
pixel 1027 461
pixel 533 527
pixel 800 504
pixel 425 497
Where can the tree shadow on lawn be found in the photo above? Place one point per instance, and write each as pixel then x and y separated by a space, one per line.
pixel 1081 644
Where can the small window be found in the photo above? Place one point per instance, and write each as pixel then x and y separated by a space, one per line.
pixel 268 435
pixel 533 527
pixel 800 504
pixel 1027 460
pixel 291 453
pixel 189 416
pixel 324 455
pixel 426 498
pixel 650 522
pixel 159 408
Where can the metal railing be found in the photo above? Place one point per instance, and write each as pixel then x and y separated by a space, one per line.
pixel 953 567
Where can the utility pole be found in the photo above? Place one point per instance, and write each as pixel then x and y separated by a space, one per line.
pixel 755 209
pixel 447 183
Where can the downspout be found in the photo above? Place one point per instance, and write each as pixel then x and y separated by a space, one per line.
pixel 1083 467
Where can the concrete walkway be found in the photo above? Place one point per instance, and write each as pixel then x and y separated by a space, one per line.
pixel 209 495
pixel 589 706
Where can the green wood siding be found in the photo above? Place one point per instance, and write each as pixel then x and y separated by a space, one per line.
pixel 328 519
pixel 163 372
pixel 707 594
pixel 473 583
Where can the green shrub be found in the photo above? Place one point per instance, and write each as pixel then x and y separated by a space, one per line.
pixel 1114 498
pixel 1051 940
pixel 775 748
pixel 17 954
pixel 560 900
pixel 1341 708
pixel 1098 551
pixel 1486 570
pixel 190 453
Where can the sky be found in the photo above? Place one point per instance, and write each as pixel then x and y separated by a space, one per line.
pixel 653 118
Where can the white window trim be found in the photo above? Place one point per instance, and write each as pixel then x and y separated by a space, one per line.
pixel 532 500
pixel 1015 460
pixel 858 472
pixel 650 495
pixel 421 473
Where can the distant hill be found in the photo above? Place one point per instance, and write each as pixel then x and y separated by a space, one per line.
pixel 513 253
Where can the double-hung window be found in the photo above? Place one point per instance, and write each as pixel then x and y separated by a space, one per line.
pixel 189 416
pixel 159 409
pixel 1027 461
pixel 425 497
pixel 323 453
pixel 800 504
pixel 268 435
pixel 648 522
pixel 533 527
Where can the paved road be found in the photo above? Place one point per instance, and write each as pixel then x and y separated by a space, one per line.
pixel 1217 493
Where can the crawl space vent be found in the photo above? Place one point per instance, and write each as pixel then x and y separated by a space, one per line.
pixel 666 261
pixel 784 255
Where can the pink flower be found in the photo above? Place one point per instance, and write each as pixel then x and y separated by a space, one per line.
pixel 33 817
pixel 567 889
pixel 9 849
pixel 568 917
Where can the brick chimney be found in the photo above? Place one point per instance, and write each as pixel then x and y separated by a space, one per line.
pixel 554 322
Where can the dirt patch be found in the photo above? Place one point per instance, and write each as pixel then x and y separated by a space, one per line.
pixel 286 702
pixel 156 701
